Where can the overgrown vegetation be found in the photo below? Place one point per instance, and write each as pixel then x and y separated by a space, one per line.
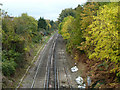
pixel 94 32
pixel 19 36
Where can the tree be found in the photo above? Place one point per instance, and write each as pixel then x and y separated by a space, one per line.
pixel 65 29
pixel 48 27
pixel 24 24
pixel 18 36
pixel 95 31
pixel 65 13
pixel 51 22
pixel 102 41
pixel 42 23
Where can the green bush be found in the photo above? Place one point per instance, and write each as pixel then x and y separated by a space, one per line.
pixel 8 68
pixel 11 55
pixel 37 37
pixel 18 35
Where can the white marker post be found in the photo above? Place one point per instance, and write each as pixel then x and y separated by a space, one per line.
pixel 88 81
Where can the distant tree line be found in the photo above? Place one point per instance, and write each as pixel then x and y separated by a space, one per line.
pixel 46 26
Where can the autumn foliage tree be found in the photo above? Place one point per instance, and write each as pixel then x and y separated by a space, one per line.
pixel 94 31
pixel 103 36
pixel 19 35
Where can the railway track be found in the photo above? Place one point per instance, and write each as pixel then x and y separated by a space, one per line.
pixel 63 73
pixel 52 75
pixel 47 73
pixel 39 64
pixel 69 85
pixel 51 78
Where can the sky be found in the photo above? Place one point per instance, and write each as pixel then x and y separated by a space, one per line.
pixel 49 9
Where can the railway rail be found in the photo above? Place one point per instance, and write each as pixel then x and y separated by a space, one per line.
pixel 66 71
pixel 51 76
pixel 36 73
pixel 51 79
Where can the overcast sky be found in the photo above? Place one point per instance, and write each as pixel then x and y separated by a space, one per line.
pixel 49 9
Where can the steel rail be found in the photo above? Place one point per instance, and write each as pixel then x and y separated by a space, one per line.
pixel 52 63
pixel 40 57
pixel 68 78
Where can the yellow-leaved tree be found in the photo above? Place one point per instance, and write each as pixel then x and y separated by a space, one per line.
pixel 103 36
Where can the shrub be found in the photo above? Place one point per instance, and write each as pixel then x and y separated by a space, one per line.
pixel 8 68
